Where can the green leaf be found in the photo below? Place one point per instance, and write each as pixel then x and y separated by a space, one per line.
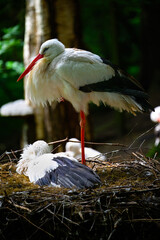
pixel 15 66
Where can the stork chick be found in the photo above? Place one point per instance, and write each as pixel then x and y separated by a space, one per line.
pixel 73 149
pixel 45 168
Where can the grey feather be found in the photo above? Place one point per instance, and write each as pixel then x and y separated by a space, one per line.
pixel 70 174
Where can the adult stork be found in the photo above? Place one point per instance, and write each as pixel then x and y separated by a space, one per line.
pixel 81 77
pixel 155 117
pixel 58 170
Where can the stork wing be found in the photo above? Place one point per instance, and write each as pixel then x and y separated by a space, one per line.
pixel 117 84
pixel 80 68
pixel 78 174
pixel 69 174
pixel 88 72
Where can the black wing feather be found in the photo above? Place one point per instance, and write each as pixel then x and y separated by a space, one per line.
pixel 70 174
pixel 121 83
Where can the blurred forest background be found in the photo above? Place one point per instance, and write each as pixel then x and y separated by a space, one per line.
pixel 125 32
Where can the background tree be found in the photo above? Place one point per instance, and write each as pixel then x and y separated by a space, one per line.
pixel 45 20
pixel 124 32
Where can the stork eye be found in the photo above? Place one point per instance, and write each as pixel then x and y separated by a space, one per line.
pixel 45 49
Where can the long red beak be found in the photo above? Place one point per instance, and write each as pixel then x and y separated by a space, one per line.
pixel 29 68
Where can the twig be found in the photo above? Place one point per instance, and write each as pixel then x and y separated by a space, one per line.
pixel 143 220
pixel 16 151
pixel 140 137
pixel 20 215
pixel 95 161
pixel 56 148
pixel 13 152
pixel 2 155
pixel 100 143
pixel 59 141
pixel 20 150
pixel 55 215
pixel 18 206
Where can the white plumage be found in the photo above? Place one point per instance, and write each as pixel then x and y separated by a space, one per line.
pixel 64 70
pixel 81 77
pixel 73 149
pixel 58 170
pixel 155 117
pixel 157 134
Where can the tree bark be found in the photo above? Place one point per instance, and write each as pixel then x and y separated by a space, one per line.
pixel 45 20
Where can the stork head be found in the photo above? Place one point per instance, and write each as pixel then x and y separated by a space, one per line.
pixel 40 147
pixel 49 49
pixel 30 153
pixel 73 146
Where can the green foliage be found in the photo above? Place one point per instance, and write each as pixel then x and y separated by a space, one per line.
pixel 15 66
pixel 154 152
pixel 11 47
pixel 10 64
pixel 11 43
pixel 134 70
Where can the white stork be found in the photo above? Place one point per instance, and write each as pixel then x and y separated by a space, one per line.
pixel 81 77
pixel 155 117
pixel 73 149
pixel 58 170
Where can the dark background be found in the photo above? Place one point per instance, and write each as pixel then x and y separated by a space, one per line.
pixel 125 32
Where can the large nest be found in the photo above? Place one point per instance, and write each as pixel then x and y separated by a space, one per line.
pixel 125 206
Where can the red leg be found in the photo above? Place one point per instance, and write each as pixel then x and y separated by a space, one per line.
pixel 82 124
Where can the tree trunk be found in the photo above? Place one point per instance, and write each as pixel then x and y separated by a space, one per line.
pixel 45 20
pixel 37 30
